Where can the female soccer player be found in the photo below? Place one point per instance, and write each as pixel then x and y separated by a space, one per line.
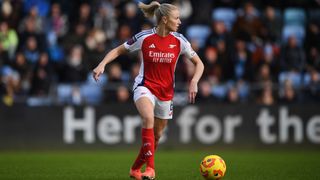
pixel 154 86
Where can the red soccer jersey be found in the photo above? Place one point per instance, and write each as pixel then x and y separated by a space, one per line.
pixel 159 59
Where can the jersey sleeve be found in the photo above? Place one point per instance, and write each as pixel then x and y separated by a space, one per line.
pixel 186 48
pixel 133 44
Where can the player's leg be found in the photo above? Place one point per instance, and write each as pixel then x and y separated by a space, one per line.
pixel 159 126
pixel 145 106
pixel 162 112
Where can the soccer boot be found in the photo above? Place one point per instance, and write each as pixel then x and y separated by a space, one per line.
pixel 135 174
pixel 149 174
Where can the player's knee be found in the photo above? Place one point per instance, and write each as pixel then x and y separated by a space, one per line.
pixel 147 121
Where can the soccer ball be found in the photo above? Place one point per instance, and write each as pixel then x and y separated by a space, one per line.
pixel 213 167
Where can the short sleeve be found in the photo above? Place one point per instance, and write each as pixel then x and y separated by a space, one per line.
pixel 186 48
pixel 133 44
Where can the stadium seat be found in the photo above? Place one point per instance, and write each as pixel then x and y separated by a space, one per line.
pixel 243 90
pixel 293 30
pixel 39 101
pixel 92 94
pixel 198 33
pixel 219 91
pixel 227 15
pixel 294 16
pixel 64 92
pixel 294 77
pixel 307 79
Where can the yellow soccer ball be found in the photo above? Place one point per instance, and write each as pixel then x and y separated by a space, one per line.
pixel 213 167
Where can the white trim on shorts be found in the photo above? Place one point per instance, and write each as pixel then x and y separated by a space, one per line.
pixel 162 109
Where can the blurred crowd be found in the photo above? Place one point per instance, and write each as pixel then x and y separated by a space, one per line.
pixel 264 52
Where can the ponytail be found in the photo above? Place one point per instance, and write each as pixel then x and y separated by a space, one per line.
pixel 149 9
pixel 156 9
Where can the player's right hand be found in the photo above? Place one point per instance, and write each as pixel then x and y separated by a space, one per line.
pixel 97 72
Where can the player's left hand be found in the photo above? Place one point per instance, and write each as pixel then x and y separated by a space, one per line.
pixel 193 89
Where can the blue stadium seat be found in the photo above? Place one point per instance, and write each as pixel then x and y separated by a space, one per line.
pixel 64 92
pixel 294 77
pixel 92 94
pixel 227 15
pixel 294 16
pixel 293 30
pixel 307 79
pixel 39 101
pixel 220 91
pixel 198 33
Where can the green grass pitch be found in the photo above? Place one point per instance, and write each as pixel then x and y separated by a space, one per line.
pixel 170 164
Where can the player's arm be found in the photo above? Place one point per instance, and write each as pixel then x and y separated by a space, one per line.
pixel 193 87
pixel 112 55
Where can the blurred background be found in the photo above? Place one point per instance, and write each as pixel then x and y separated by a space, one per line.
pixel 257 105
pixel 264 52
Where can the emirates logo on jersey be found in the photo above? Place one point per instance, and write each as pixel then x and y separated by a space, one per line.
pixel 161 57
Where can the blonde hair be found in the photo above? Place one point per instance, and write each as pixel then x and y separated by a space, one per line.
pixel 156 9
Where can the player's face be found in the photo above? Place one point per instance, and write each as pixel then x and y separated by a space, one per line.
pixel 173 21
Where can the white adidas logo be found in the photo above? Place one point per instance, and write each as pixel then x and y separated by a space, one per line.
pixel 152 46
pixel 149 153
pixel 172 46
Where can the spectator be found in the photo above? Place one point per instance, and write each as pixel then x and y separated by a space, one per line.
pixel 312 36
pixel 266 95
pixel 115 73
pixel 313 60
pixel 74 70
pixel 248 25
pixel 8 14
pixel 287 93
pixel 312 86
pixel 272 25
pixel 8 39
pixel 24 69
pixel 31 31
pixel 77 36
pixel 264 74
pixel 293 56
pixel 242 61
pixel 84 16
pixel 219 33
pixel 213 69
pixel 31 50
pixel 233 95
pixel 42 76
pixel 10 80
pixel 33 16
pixel 131 17
pixel 105 19
pixel 95 54
pixel 125 60
pixel 123 94
pixel 205 95
pixel 57 22
pixel 200 12
pixel 270 57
